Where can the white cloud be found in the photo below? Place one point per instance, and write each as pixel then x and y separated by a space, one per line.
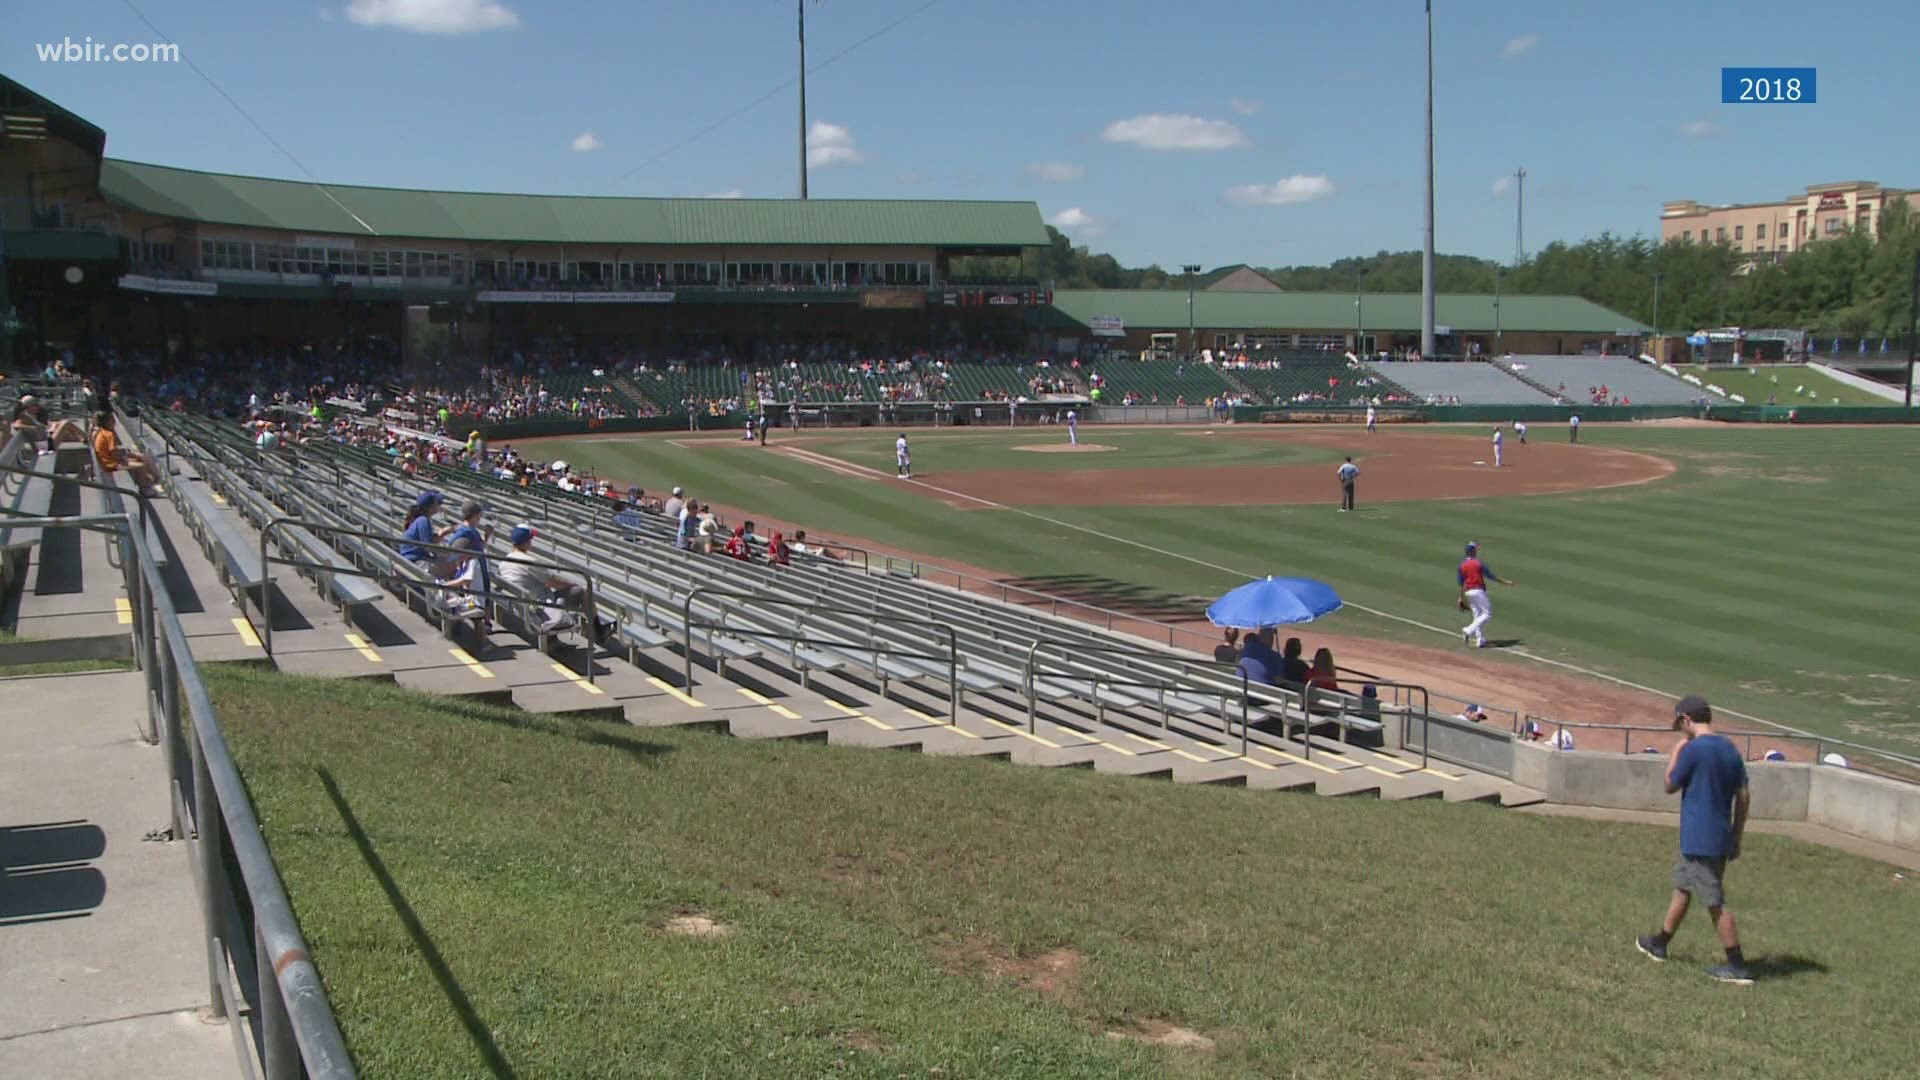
pixel 1057 172
pixel 1521 44
pixel 326 14
pixel 1245 106
pixel 1503 185
pixel 1174 131
pixel 1077 220
pixel 730 193
pixel 1293 189
pixel 586 143
pixel 434 16
pixel 831 144
pixel 1699 129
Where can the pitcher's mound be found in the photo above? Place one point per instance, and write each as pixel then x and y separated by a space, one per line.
pixel 1064 448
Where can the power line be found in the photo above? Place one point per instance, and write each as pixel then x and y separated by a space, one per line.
pixel 764 98
pixel 187 59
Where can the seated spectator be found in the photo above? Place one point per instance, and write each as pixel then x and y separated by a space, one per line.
pixel 545 584
pixel 419 529
pixel 737 546
pixel 1293 669
pixel 777 550
pixel 464 586
pixel 1228 651
pixel 106 447
pixel 674 504
pixel 688 527
pixel 1774 755
pixel 1474 714
pixel 1322 681
pixel 1258 662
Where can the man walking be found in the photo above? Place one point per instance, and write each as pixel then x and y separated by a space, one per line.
pixel 1349 472
pixel 1474 575
pixel 1711 779
pixel 1373 418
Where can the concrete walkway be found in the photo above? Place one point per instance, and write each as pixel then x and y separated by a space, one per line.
pixel 1799 830
pixel 101 951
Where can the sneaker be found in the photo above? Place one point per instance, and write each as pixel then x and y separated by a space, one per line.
pixel 1731 973
pixel 1466 637
pixel 1651 946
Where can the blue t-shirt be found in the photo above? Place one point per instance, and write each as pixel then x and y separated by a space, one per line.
pixel 1709 773
pixel 458 538
pixel 1260 663
pixel 420 532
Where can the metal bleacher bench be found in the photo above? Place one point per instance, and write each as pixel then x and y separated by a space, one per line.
pixel 235 554
pixel 31 496
pixel 348 588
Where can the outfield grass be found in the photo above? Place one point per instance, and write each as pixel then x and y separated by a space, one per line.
pixel 998 448
pixel 1787 383
pixel 1772 571
pixel 489 894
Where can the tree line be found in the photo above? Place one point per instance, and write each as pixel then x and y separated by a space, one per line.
pixel 1851 284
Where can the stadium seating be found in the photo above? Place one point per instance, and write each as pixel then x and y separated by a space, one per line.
pixel 1159 382
pixel 1624 377
pixel 1473 382
pixel 1329 379
pixel 1097 697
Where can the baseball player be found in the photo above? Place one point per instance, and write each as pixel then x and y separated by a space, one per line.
pixel 1499 437
pixel 1473 577
pixel 1073 427
pixel 1349 472
pixel 1520 429
pixel 1373 418
pixel 902 458
pixel 1573 429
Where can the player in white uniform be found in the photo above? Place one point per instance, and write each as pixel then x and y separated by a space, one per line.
pixel 1499 437
pixel 902 458
pixel 1073 427
pixel 1520 429
pixel 1373 419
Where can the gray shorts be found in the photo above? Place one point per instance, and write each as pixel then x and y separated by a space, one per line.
pixel 1700 876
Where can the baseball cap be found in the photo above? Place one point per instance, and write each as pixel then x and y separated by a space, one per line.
pixel 679 491
pixel 1472 547
pixel 470 508
pixel 522 534
pixel 429 499
pixel 1695 708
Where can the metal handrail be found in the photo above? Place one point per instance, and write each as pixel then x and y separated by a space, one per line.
pixel 1821 743
pixel 1280 695
pixel 293 1032
pixel 486 595
pixel 688 626
pixel 145 500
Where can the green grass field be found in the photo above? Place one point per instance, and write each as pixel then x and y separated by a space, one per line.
pixel 1772 571
pixel 490 894
pixel 995 448
pixel 1788 384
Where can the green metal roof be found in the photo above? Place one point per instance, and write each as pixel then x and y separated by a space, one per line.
pixel 1167 309
pixel 566 219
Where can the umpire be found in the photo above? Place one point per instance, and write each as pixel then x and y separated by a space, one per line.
pixel 1349 472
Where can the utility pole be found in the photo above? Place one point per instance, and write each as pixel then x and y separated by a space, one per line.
pixel 1426 255
pixel 1191 269
pixel 1656 315
pixel 1913 333
pixel 1519 216
pixel 802 4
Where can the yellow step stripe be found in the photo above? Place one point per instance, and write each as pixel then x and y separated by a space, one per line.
pixel 245 630
pixel 123 611
pixel 1022 732
pixel 776 708
pixel 473 665
pixel 953 727
pixel 360 645
pixel 576 678
pixel 675 692
pixel 1296 760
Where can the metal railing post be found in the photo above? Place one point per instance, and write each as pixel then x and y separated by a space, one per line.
pixel 1244 716
pixel 953 673
pixel 1033 707
pixel 686 627
pixel 266 590
pixel 208 830
pixel 279 1054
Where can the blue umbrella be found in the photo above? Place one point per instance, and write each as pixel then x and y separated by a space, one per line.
pixel 1274 601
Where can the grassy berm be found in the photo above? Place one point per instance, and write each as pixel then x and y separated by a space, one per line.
pixel 489 894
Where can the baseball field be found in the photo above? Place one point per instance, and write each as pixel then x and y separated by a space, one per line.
pixel 1767 567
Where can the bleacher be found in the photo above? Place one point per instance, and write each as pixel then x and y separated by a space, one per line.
pixel 856 656
pixel 1473 382
pixel 1328 378
pixel 1623 376
pixel 1159 382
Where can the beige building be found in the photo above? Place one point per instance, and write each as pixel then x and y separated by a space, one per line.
pixel 1772 230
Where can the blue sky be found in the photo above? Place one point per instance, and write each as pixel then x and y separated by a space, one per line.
pixel 1209 131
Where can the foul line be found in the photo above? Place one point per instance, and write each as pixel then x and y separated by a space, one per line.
pixel 837 465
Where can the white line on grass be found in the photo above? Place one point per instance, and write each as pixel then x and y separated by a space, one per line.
pixel 831 463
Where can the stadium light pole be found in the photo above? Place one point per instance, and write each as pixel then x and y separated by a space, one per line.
pixel 1497 338
pixel 1360 314
pixel 1191 269
pixel 1426 255
pixel 1519 216
pixel 1656 310
pixel 1913 333
pixel 802 5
